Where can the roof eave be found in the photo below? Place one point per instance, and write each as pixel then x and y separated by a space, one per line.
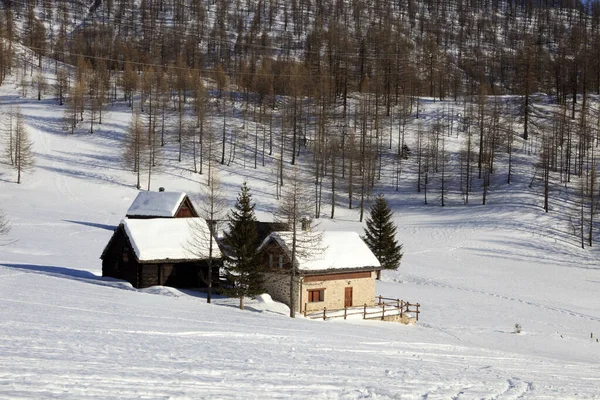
pixel 336 270
pixel 147 216
pixel 172 260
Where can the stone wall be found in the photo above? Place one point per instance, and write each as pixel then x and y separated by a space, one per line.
pixel 278 287
pixel 363 291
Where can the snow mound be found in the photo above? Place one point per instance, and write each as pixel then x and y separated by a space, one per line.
pixel 264 298
pixel 162 291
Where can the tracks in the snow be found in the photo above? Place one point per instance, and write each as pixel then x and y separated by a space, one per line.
pixel 431 282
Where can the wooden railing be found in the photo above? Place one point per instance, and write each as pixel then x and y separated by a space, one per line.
pixel 384 307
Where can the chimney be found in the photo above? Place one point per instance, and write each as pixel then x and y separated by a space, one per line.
pixel 305 223
pixel 161 189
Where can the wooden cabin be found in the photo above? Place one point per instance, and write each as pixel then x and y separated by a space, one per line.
pixel 161 251
pixel 161 204
pixel 334 269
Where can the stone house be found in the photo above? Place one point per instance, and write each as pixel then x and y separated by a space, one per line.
pixel 334 269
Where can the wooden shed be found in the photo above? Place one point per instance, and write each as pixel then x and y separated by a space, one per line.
pixel 161 251
pixel 161 204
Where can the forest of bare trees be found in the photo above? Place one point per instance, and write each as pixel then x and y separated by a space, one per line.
pixel 334 83
pixel 325 50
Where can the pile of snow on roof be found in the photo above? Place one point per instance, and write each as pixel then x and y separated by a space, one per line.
pixel 320 251
pixel 156 204
pixel 170 238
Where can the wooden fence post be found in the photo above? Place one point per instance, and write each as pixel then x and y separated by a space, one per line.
pixel 398 303
pixel 305 304
pixel 383 312
pixel 365 312
pixel 402 309
pixel 324 313
pixel 418 305
pixel 345 312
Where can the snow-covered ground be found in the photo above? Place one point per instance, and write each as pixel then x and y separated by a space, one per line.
pixel 66 332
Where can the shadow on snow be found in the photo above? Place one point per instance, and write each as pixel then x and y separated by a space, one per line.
pixel 93 224
pixel 72 274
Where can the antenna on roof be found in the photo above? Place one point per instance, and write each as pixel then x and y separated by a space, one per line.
pixel 161 189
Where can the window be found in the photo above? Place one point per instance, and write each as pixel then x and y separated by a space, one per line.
pixel 272 261
pixel 316 295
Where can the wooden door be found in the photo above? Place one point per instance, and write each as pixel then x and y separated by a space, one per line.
pixel 348 297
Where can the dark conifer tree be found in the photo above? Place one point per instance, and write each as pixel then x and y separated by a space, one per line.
pixel 241 243
pixel 380 235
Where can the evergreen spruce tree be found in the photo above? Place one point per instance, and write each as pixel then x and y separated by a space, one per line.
pixel 380 235
pixel 241 243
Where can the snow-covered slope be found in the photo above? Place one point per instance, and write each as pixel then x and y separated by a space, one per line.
pixel 71 335
pixel 476 271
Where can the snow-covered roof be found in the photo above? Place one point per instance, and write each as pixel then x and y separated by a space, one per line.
pixel 156 204
pixel 328 250
pixel 170 238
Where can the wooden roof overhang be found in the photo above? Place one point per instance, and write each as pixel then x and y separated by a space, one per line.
pixel 170 260
pixel 336 271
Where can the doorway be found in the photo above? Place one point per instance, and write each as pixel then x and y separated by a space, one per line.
pixel 348 297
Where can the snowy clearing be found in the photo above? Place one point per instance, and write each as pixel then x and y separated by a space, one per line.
pixel 476 271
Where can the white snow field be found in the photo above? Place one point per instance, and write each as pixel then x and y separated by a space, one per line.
pixel 66 332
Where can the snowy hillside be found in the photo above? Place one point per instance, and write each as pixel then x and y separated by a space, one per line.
pixel 427 102
pixel 476 271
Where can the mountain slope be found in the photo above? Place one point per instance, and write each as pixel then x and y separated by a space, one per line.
pixel 476 271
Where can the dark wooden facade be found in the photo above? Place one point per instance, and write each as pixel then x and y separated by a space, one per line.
pixel 269 255
pixel 119 261
pixel 186 209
